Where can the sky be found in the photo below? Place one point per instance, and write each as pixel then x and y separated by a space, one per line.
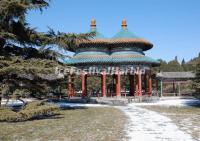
pixel 173 26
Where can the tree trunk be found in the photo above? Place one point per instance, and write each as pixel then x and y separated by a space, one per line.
pixel 0 100
pixel 2 42
pixel 7 100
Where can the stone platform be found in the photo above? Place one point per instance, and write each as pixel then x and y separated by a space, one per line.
pixel 110 100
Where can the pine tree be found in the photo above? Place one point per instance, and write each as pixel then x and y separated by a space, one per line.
pixel 174 65
pixel 197 79
pixel 183 62
pixel 183 65
pixel 13 26
pixel 14 29
pixel 15 61
pixel 176 58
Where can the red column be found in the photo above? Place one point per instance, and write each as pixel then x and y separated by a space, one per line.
pixel 139 83
pixel 150 85
pixel 86 84
pixel 83 84
pixel 136 88
pixel 70 87
pixel 146 83
pixel 103 84
pixel 136 85
pixel 69 90
pixel 118 86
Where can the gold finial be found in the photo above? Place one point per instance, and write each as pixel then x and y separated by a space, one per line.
pixel 93 23
pixel 124 25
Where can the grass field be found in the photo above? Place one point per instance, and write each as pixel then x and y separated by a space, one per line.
pixel 187 118
pixel 89 124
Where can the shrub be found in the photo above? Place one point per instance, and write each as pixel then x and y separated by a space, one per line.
pixel 33 110
pixel 39 112
pixel 7 114
pixel 33 105
pixel 21 93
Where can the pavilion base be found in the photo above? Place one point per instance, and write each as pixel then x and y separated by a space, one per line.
pixel 120 101
pixel 125 100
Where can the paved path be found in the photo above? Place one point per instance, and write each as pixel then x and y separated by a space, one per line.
pixel 145 125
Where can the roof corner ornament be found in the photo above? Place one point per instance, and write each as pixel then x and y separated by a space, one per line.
pixel 93 23
pixel 124 25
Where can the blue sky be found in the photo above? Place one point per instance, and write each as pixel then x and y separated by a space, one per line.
pixel 173 26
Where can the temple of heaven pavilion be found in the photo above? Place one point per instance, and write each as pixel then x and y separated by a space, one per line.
pixel 123 54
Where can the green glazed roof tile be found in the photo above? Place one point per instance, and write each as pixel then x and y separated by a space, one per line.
pixel 98 34
pixel 124 33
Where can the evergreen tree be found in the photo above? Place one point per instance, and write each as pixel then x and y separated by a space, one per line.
pixel 12 21
pixel 176 58
pixel 16 61
pixel 163 66
pixel 174 65
pixel 14 29
pixel 183 62
pixel 197 79
pixel 183 65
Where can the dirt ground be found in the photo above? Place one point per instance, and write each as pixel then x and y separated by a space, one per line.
pixel 87 124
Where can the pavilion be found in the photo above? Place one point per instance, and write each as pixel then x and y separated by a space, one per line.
pixel 174 78
pixel 123 54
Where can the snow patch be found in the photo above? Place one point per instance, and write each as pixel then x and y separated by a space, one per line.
pixel 75 105
pixel 12 102
pixel 173 102
pixel 145 125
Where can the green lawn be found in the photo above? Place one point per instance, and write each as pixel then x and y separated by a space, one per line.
pixel 90 124
pixel 187 118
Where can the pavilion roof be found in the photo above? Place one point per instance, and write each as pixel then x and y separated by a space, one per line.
pixel 98 34
pixel 124 38
pixel 124 33
pixel 99 40
pixel 124 48
pixel 93 57
pixel 175 75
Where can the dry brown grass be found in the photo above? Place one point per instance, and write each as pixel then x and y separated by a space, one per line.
pixel 90 124
pixel 187 118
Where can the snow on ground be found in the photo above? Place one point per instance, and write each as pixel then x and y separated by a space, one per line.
pixel 145 125
pixel 74 105
pixel 173 102
pixel 16 102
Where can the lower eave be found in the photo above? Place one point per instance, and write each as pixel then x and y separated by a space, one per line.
pixel 115 61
